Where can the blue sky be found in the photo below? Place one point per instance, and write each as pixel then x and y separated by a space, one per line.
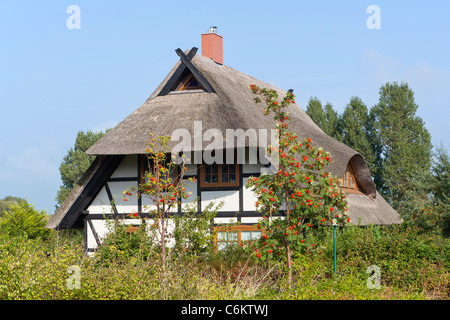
pixel 55 81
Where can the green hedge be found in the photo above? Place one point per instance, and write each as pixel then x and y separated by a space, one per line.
pixel 413 266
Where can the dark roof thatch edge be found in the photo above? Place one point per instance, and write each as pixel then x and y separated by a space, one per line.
pixel 56 218
pixel 85 190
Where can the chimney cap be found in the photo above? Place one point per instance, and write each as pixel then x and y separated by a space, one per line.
pixel 212 29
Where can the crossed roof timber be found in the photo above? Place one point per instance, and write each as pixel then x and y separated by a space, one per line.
pixel 186 63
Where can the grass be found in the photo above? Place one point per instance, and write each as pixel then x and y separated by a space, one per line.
pixel 413 265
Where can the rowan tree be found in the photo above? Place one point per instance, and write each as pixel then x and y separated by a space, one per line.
pixel 300 195
pixel 163 185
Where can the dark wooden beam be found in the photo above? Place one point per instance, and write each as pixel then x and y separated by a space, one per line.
pixel 109 164
pixel 110 197
pixel 197 74
pixel 220 214
pixel 94 232
pixel 176 75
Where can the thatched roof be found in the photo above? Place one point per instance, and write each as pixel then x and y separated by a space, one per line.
pixel 230 105
pixel 364 210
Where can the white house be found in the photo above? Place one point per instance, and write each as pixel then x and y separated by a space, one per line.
pixel 201 92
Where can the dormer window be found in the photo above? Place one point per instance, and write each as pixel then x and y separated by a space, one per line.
pixel 190 83
pixel 187 82
pixel 186 78
pixel 349 183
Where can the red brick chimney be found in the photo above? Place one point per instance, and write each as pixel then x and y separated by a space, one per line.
pixel 212 45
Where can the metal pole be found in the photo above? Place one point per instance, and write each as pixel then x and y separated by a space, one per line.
pixel 334 243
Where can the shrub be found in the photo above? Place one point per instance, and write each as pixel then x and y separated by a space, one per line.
pixel 193 232
pixel 22 219
pixel 120 245
pixel 408 258
pixel 413 266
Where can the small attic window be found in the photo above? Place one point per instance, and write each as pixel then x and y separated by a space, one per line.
pixel 349 183
pixel 191 84
pixel 187 82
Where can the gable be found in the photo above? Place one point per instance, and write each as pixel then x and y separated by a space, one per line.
pixel 83 193
pixel 186 77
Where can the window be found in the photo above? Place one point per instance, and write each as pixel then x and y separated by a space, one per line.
pixel 234 235
pixel 186 81
pixel 349 182
pixel 219 175
pixel 190 83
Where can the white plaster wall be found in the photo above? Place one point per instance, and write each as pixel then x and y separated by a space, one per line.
pixel 249 197
pixel 101 203
pixel 127 168
pixel 191 187
pixel 230 198
pixel 101 227
pixel 250 219
pixel 117 188
pixel 225 220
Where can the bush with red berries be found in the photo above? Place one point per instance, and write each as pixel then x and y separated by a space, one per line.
pixel 301 195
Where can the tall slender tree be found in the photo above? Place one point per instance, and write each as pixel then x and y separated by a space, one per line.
pixel 333 128
pixel 441 176
pixel 441 187
pixel 315 111
pixel 325 117
pixel 405 142
pixel 355 129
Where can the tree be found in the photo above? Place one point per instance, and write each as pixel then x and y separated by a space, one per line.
pixel 355 126
pixel 75 163
pixel 427 204
pixel 440 187
pixel 417 208
pixel 163 185
pixel 22 219
pixel 405 143
pixel 302 190
pixel 441 175
pixel 315 111
pixel 333 128
pixel 325 117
